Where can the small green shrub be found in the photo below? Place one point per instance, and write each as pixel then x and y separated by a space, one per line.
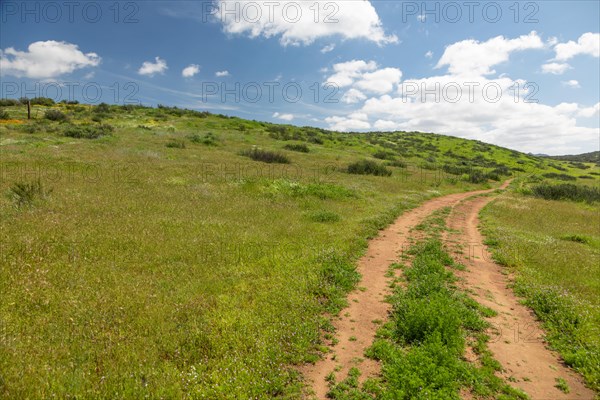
pixel 566 191
pixel 301 148
pixel 55 115
pixel 562 177
pixel 176 144
pixel 209 139
pixel 324 216
pixel 88 131
pixel 368 167
pixel 102 108
pixel 26 193
pixel 4 114
pixel 266 156
pixel 9 102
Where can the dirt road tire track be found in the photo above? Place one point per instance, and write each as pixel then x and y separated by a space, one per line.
pixel 518 342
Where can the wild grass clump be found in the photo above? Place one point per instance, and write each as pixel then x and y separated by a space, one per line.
pixel 88 131
pixel 321 190
pixel 301 148
pixel 176 144
pixel 266 156
pixel 561 177
pixel 27 193
pixel 209 139
pixel 566 191
pixel 368 167
pixel 55 115
pixel 324 216
pixel 4 114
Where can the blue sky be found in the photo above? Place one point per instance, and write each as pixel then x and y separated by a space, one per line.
pixel 524 75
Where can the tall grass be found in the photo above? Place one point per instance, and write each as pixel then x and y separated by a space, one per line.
pixel 566 191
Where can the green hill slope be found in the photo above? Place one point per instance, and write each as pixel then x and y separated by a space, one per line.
pixel 167 253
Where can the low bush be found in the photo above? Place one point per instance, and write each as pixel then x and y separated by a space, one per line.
pixel 4 114
pixel 55 115
pixel 266 156
pixel 176 144
pixel 562 177
pixel 301 148
pixel 209 139
pixel 9 102
pixel 368 167
pixel 324 216
pixel 88 131
pixel 566 191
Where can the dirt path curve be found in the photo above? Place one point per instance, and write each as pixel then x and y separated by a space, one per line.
pixel 517 340
pixel 355 328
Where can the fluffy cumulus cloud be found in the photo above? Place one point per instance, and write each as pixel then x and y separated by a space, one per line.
pixel 471 57
pixel 45 60
pixel 190 70
pixel 588 43
pixel 465 102
pixel 555 68
pixel 302 22
pixel 283 117
pixel 149 68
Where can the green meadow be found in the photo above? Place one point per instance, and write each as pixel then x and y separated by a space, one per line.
pixel 168 253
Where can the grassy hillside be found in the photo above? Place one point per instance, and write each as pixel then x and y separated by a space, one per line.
pixel 593 157
pixel 165 252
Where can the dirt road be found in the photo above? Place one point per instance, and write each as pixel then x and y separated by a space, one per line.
pixel 529 361
pixel 357 324
pixel 517 339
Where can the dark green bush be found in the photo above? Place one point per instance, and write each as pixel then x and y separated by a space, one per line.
pixel 176 144
pixel 88 131
pixel 55 115
pixel 368 167
pixel 41 101
pixel 301 148
pixel 9 102
pixel 265 156
pixel 566 191
pixel 102 108
pixel 562 177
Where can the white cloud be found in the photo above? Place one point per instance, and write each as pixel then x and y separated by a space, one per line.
pixel 221 74
pixel 572 84
pixel 589 112
pixel 429 54
pixel 149 68
pixel 190 70
pixel 347 72
pixel 381 81
pixel 385 125
pixel 44 60
pixel 328 48
pixel 284 117
pixel 344 124
pixel 301 23
pixel 588 43
pixel 353 96
pixel 471 57
pixel 555 68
